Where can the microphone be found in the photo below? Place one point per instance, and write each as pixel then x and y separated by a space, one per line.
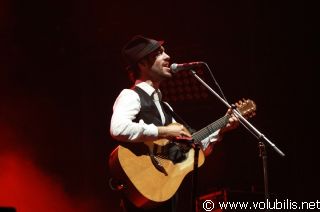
pixel 184 66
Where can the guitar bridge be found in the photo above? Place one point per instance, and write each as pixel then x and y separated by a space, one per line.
pixel 157 164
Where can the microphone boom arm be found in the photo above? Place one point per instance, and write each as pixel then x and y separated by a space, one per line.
pixel 242 120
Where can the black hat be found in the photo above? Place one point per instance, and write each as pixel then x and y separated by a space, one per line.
pixel 139 47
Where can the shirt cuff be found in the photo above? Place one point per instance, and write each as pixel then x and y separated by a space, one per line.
pixel 214 137
pixel 150 130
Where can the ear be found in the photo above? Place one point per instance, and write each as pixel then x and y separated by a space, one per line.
pixel 143 65
pixel 143 62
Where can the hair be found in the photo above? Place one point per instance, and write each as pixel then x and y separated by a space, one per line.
pixel 133 72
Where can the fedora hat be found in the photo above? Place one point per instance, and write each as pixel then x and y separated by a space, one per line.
pixel 139 47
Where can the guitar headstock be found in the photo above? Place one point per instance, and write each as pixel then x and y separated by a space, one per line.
pixel 246 107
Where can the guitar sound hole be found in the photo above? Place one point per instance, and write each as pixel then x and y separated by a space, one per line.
pixel 174 153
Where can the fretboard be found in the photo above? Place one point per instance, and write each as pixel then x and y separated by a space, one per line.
pixel 211 128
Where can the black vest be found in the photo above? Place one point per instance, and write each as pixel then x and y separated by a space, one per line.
pixel 150 115
pixel 149 112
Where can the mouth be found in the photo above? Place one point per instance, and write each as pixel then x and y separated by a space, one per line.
pixel 166 65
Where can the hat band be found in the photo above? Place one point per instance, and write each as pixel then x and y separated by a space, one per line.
pixel 145 51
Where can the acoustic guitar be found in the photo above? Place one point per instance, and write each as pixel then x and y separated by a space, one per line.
pixel 149 173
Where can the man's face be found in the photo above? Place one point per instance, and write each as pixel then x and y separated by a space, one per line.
pixel 158 63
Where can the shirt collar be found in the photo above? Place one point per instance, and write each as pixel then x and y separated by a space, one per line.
pixel 147 88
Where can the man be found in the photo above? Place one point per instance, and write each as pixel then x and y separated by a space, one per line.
pixel 139 115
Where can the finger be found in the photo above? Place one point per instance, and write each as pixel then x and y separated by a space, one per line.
pixel 233 119
pixel 186 133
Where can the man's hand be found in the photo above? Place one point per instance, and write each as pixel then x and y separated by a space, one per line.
pixel 173 130
pixel 232 124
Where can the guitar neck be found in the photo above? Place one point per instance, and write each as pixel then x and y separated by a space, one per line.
pixel 211 128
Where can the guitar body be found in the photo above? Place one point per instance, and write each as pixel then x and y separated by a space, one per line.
pixel 144 185
pixel 151 173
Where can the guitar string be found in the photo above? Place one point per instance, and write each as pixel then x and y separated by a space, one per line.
pixel 206 131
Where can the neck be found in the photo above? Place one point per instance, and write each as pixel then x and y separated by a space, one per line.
pixel 154 84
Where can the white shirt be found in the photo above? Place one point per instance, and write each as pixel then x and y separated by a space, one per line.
pixel 125 110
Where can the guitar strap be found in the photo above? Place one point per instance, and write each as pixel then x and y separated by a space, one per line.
pixel 177 117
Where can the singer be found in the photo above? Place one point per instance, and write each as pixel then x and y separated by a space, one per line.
pixel 140 117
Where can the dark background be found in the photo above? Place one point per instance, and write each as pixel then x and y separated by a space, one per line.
pixel 61 70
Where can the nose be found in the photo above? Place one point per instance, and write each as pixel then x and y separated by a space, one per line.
pixel 166 56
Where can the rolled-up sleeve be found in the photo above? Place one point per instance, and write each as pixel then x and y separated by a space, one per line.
pixel 213 138
pixel 125 110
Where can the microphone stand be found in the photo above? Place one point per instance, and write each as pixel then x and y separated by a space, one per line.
pixel 195 176
pixel 261 137
pixel 263 155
